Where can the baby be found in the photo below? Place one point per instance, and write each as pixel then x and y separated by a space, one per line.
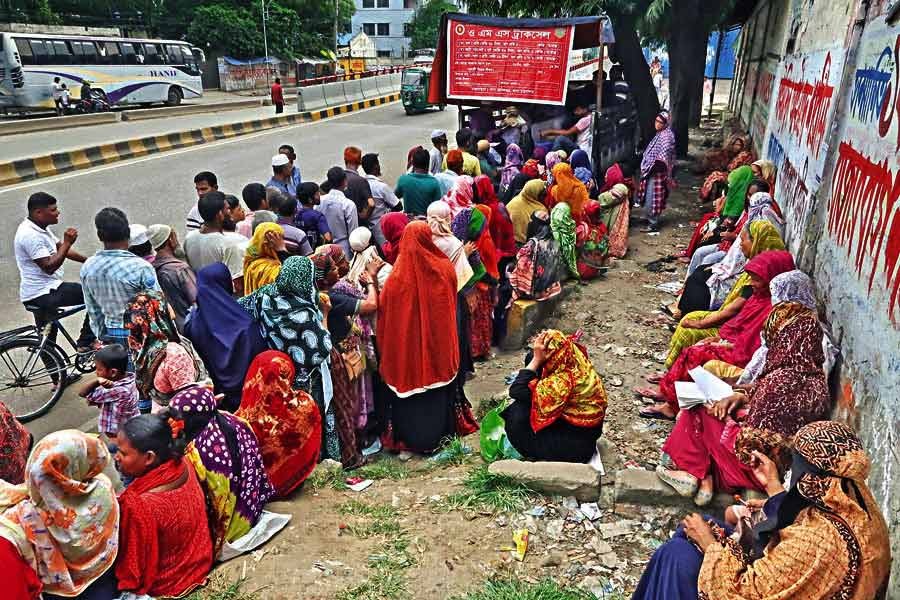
pixel 113 391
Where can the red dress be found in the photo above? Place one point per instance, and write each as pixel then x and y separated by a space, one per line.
pixel 165 548
pixel 20 582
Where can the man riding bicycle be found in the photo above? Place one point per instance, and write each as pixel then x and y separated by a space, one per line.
pixel 40 257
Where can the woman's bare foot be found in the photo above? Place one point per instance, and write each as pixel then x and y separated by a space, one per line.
pixel 660 411
pixel 648 392
pixel 705 492
pixel 655 378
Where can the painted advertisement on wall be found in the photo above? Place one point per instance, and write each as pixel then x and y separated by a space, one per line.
pixel 864 199
pixel 800 114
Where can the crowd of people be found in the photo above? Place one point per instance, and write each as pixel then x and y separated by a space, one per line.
pixel 303 321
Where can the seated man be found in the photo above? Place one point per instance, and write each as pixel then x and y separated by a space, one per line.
pixel 582 131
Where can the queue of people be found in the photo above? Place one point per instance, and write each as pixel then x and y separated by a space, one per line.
pixel 306 321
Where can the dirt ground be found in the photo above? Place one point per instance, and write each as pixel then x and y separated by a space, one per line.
pixel 402 537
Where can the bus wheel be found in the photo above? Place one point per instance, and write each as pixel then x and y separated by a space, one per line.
pixel 174 98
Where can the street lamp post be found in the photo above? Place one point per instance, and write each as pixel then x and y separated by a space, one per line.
pixel 265 38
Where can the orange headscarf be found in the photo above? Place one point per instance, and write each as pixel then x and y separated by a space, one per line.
pixel 566 188
pixel 486 247
pixel 417 300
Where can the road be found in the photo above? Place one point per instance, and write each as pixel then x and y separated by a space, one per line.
pixel 159 189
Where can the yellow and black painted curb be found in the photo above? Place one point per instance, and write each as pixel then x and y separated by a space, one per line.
pixel 27 169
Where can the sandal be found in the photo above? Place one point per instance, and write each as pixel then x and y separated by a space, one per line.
pixel 684 484
pixel 655 378
pixel 648 392
pixel 648 412
pixel 703 497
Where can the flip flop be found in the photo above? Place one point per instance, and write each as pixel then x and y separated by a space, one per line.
pixel 654 378
pixel 648 413
pixel 685 487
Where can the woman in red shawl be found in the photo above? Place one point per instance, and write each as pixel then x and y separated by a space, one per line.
pixel 286 421
pixel 15 442
pixel 420 347
pixel 738 339
pixel 500 223
pixel 392 225
pixel 165 548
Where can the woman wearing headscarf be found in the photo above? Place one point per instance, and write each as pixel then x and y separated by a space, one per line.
pixel 163 364
pixel 225 454
pixel 345 307
pixel 584 172
pixel 261 259
pixel 613 176
pixel 711 227
pixel 765 170
pixel 285 420
pixel 615 210
pixel 423 372
pixel 567 188
pixel 60 529
pixel 524 205
pixel 15 442
pixel 470 226
pixel 559 403
pixel 512 165
pixel 224 335
pixel 392 225
pixel 530 170
pixel 550 161
pixel 708 288
pixel 538 267
pixel 591 242
pixel 501 227
pixel 738 339
pixel 439 221
pixel 364 253
pixel 656 171
pixel 165 548
pixel 461 196
pixel 563 227
pixel 824 537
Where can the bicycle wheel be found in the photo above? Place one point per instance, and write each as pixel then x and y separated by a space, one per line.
pixel 30 385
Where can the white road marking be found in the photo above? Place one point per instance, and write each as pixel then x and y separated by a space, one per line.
pixel 158 155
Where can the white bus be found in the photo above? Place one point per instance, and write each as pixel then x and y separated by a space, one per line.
pixel 126 71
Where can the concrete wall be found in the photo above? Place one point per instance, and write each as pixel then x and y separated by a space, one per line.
pixel 832 129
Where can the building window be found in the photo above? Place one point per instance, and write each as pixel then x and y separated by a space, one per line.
pixel 409 4
pixel 384 54
pixel 384 3
pixel 384 29
pixel 368 3
pixel 369 28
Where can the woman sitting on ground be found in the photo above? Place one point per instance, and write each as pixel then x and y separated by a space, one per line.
pixel 718 224
pixel 530 170
pixel 165 546
pixel 615 211
pixel 423 372
pixel 567 188
pixel 262 259
pixel 538 267
pixel 824 537
pixel 563 227
pixel 15 443
pixel 529 201
pixel 60 529
pixel 224 335
pixel 286 421
pixel 591 242
pixel 163 362
pixel 225 454
pixel 713 287
pixel 558 402
pixel 736 342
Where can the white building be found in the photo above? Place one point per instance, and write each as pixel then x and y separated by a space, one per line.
pixel 385 21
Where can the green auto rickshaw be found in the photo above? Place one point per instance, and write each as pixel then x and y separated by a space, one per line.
pixel 414 90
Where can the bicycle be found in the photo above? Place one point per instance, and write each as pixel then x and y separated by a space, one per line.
pixel 34 369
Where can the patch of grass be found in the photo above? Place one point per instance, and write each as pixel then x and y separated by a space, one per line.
pixel 546 589
pixel 483 490
pixel 454 452
pixel 322 478
pixel 386 468
pixel 372 519
pixel 488 404
pixel 219 588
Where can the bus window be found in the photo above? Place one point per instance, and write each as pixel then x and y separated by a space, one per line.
pixel 128 53
pixel 90 53
pixel 40 52
pixel 189 61
pixel 25 54
pixel 61 53
pixel 153 55
pixel 109 54
pixel 173 54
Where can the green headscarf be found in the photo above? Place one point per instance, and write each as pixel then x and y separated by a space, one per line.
pixel 563 227
pixel 738 182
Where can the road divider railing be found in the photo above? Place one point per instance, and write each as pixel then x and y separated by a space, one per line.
pixel 338 93
pixel 27 169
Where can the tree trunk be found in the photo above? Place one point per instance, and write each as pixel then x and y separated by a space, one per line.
pixel 627 51
pixel 686 45
pixel 699 62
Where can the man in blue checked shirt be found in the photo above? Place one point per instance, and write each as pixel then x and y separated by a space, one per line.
pixel 112 277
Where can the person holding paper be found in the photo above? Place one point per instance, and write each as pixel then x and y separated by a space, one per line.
pixel 713 444
pixel 737 340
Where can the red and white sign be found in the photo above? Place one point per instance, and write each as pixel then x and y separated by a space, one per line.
pixel 528 64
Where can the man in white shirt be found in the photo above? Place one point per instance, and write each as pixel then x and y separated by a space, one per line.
pixel 211 244
pixel 56 91
pixel 438 151
pixel 204 182
pixel 339 211
pixel 385 198
pixel 583 130
pixel 39 257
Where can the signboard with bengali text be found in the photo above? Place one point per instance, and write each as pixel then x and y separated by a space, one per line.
pixel 488 62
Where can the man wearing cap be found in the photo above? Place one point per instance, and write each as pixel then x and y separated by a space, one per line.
pixel 358 189
pixel 288 151
pixel 139 242
pixel 465 144
pixel 385 198
pixel 437 151
pixel 282 175
pixel 175 276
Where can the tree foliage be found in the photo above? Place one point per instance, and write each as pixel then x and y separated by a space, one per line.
pixel 425 25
